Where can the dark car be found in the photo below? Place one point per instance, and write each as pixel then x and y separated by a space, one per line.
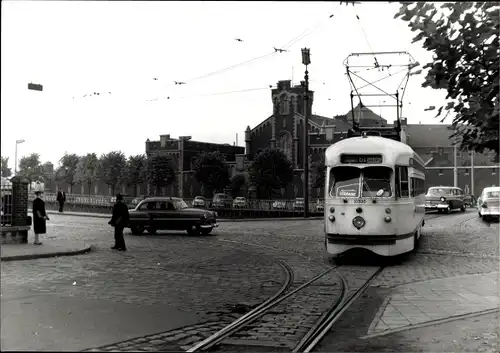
pixel 170 213
pixel 444 199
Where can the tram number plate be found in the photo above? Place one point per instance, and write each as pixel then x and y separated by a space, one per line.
pixel 359 201
pixel 360 159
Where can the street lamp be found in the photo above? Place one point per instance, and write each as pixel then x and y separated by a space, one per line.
pixel 306 60
pixel 15 160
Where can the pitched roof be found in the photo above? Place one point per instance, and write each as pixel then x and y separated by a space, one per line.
pixel 429 135
pixel 367 115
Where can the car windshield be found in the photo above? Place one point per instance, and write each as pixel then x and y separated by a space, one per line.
pixel 344 182
pixel 240 198
pixel 199 198
pixel 493 194
pixel 180 204
pixel 439 191
pixel 376 179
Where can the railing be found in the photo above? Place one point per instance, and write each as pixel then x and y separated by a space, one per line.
pixel 251 207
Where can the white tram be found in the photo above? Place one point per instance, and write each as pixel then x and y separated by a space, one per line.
pixel 374 196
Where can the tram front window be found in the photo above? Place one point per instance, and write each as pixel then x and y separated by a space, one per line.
pixel 377 182
pixel 344 182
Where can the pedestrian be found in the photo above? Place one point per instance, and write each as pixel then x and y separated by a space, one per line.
pixel 39 217
pixel 119 220
pixel 61 198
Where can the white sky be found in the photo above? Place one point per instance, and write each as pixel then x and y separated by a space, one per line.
pixel 77 48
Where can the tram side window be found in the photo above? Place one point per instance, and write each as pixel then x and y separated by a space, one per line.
pixel 417 187
pixel 402 185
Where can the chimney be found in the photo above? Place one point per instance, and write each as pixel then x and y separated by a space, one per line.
pixel 163 140
pixel 329 130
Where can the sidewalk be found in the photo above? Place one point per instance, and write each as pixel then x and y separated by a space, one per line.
pixel 103 215
pixel 49 248
pixel 436 301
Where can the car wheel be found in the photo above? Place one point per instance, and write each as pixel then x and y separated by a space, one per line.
pixel 193 231
pixel 152 230
pixel 462 208
pixel 479 214
pixel 206 231
pixel 137 230
pixel 448 209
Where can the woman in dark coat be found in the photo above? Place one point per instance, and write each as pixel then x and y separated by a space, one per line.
pixel 39 217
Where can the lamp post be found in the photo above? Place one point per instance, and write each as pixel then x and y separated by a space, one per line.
pixel 15 158
pixel 306 60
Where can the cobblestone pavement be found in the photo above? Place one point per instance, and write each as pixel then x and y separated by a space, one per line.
pixel 236 265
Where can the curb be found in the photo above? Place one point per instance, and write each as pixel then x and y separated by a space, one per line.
pixel 86 249
pixel 220 220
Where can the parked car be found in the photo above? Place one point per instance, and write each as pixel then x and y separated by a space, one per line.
pixel 444 199
pixel 222 201
pixel 298 204
pixel 170 213
pixel 199 201
pixel 320 206
pixel 240 202
pixel 488 204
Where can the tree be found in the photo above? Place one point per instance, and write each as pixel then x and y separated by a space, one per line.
pixel 211 171
pixel 160 172
pixel 237 183
pixel 464 38
pixel 112 168
pixel 66 171
pixel 31 168
pixel 86 170
pixel 6 171
pixel 318 169
pixel 271 170
pixel 136 171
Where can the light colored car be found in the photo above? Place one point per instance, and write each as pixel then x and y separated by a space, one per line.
pixel 222 201
pixel 444 199
pixel 488 204
pixel 239 202
pixel 199 201
pixel 298 203
pixel 320 206
pixel 279 205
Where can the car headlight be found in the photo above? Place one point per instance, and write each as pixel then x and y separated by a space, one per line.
pixel 358 222
pixel 443 199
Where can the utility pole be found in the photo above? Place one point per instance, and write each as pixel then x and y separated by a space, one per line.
pixel 306 60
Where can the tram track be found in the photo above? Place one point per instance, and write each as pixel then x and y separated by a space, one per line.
pixel 315 306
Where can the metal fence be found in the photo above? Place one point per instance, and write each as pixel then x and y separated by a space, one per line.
pixel 6 205
pixel 250 207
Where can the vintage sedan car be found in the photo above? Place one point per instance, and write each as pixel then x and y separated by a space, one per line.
pixel 320 206
pixel 298 204
pixel 170 213
pixel 488 204
pixel 222 201
pixel 444 199
pixel 279 205
pixel 240 202
pixel 199 201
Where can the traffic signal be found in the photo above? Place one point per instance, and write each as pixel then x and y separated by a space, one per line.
pixel 35 87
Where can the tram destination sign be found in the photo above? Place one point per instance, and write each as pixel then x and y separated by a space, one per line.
pixel 361 158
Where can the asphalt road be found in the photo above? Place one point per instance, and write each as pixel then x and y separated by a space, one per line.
pixel 171 280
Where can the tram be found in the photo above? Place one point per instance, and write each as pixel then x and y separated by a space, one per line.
pixel 374 196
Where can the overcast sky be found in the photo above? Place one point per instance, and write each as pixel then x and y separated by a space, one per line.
pixel 78 48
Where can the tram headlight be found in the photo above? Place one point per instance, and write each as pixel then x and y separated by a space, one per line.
pixel 387 219
pixel 332 209
pixel 388 210
pixel 443 199
pixel 358 222
pixel 332 218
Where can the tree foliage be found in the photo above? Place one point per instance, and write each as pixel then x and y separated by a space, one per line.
pixel 67 170
pixel 31 168
pixel 136 171
pixel 237 183
pixel 112 167
pixel 211 171
pixel 86 170
pixel 271 170
pixel 6 171
pixel 160 172
pixel 318 169
pixel 464 38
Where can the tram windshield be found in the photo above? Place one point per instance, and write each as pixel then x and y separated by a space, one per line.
pixel 345 182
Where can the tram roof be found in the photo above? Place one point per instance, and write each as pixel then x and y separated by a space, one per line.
pixel 389 148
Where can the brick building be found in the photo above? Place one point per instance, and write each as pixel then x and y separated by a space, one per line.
pixel 184 152
pixel 284 130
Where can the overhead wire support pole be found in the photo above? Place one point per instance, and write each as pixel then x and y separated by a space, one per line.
pixel 306 61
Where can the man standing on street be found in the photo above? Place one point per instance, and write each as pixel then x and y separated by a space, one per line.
pixel 119 220
pixel 61 198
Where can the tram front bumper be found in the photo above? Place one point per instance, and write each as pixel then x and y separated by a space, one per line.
pixel 344 239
